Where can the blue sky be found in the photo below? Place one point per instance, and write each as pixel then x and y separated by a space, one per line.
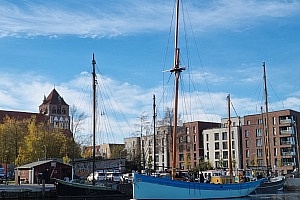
pixel 223 45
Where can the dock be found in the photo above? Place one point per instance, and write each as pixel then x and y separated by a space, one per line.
pixel 27 191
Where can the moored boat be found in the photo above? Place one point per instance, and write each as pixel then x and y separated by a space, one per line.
pixel 99 191
pixel 271 185
pixel 87 191
pixel 149 187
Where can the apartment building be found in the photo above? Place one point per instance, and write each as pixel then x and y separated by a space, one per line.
pixel 216 144
pixel 190 149
pixel 273 143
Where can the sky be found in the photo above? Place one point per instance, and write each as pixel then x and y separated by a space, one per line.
pixel 223 44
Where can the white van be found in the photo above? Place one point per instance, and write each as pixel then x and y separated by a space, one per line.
pixel 98 175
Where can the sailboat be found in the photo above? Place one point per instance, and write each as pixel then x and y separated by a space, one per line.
pixel 87 191
pixel 275 184
pixel 148 187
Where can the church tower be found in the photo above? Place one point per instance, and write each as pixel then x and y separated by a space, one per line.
pixel 57 110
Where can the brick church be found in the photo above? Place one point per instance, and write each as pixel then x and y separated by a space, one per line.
pixel 53 110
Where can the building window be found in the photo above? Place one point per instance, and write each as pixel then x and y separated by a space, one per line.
pixel 187 130
pixel 232 145
pixel 246 133
pixel 258 142
pixel 194 129
pixel 275 141
pixel 195 149
pixel 259 152
pixel 247 162
pixel 181 157
pixel 274 130
pixel 275 151
pixel 207 137
pixel 195 138
pixel 181 165
pixel 260 121
pixel 217 147
pixel 217 136
pixel 53 110
pixel 247 143
pixel 225 154
pixel 207 146
pixel 274 120
pixel 247 153
pixel 258 132
pixel 188 139
pixel 232 135
pixel 224 135
pixel 217 155
pixel 217 164
pixel 248 122
pixel 225 145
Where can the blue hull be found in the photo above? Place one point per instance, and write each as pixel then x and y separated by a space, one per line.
pixel 148 187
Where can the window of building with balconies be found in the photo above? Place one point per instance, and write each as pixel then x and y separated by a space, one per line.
pixel 246 133
pixel 259 142
pixel 258 132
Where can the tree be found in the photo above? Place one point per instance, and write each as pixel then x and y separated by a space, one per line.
pixel 77 119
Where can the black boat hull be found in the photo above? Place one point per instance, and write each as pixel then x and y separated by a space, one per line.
pixel 270 187
pixel 77 190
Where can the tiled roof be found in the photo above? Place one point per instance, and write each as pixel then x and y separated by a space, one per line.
pixel 22 115
pixel 54 98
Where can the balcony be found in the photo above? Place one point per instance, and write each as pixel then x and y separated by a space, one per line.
pixel 285 121
pixel 286 132
pixel 287 142
pixel 288 153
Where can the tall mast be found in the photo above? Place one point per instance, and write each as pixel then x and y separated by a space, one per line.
pixel 154 133
pixel 94 116
pixel 177 70
pixel 229 138
pixel 267 120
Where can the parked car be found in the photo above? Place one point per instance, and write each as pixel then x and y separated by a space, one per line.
pixel 113 176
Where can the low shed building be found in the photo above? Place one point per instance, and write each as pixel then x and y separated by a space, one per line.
pixel 47 170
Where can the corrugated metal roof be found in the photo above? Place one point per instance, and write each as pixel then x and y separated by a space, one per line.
pixel 37 163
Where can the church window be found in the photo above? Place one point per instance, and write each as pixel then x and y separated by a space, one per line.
pixel 53 110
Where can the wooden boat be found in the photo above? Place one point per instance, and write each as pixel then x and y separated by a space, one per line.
pixel 72 190
pixel 274 184
pixel 270 186
pixel 87 191
pixel 148 187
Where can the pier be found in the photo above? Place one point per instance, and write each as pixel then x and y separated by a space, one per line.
pixel 27 191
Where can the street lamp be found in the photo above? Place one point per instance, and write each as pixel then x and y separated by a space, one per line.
pixel 45 151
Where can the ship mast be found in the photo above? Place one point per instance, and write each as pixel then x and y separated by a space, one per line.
pixel 177 70
pixel 94 117
pixel 267 121
pixel 229 138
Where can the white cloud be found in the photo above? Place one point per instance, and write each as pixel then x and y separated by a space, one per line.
pixel 100 18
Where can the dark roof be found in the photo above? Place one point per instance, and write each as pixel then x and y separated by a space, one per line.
pixel 37 163
pixel 21 115
pixel 54 98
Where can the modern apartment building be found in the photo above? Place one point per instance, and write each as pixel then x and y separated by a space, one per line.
pixel 273 143
pixel 190 149
pixel 216 144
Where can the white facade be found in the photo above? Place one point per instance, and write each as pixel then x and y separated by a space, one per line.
pixel 216 144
